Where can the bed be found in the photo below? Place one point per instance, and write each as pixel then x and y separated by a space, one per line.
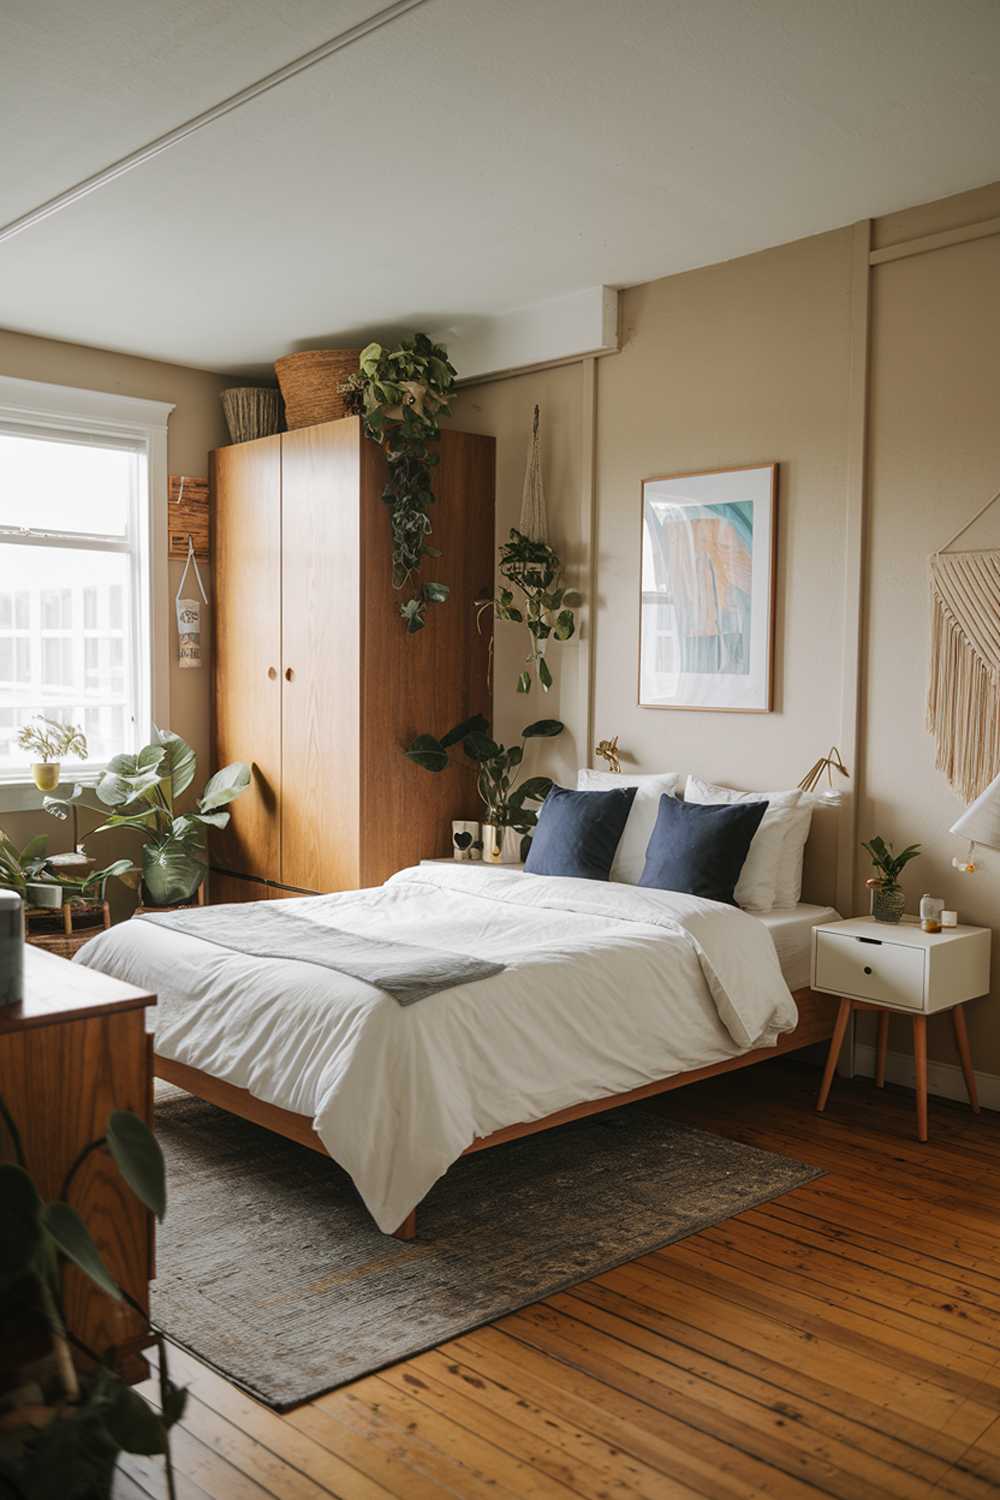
pixel 605 993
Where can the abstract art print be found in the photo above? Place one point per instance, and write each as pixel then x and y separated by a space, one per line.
pixel 708 572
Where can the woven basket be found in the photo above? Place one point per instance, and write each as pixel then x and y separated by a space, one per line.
pixel 65 930
pixel 310 383
pixel 252 412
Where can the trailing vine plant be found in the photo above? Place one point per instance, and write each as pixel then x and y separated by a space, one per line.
pixel 534 571
pixel 400 394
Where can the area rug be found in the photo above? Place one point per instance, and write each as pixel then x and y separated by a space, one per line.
pixel 270 1270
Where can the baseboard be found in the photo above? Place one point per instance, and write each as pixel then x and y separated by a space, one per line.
pixel 943 1079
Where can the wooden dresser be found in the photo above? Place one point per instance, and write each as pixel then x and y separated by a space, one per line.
pixel 74 1050
pixel 317 683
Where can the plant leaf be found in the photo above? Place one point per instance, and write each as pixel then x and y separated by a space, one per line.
pixel 437 593
pixel 544 675
pixel 542 728
pixel 67 1229
pixel 179 762
pixel 224 786
pixel 480 747
pixel 139 1159
pixel 524 682
pixel 428 752
pixel 20 1221
pixel 476 725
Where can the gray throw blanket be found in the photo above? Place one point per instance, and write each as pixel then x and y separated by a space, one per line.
pixel 403 970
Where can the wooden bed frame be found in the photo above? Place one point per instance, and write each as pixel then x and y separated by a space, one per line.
pixel 817 1014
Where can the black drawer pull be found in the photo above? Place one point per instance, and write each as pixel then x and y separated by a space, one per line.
pixel 875 942
pixel 867 969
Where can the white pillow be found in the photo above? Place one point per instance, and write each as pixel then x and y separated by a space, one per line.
pixel 756 889
pixel 788 886
pixel 630 856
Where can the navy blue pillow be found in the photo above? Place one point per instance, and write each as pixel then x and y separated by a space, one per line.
pixel 578 832
pixel 699 848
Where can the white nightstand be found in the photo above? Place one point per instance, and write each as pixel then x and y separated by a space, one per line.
pixel 885 967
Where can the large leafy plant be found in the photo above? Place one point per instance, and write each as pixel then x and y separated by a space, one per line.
pixel 533 571
pixel 20 870
pixel 142 791
pixel 887 862
pixel 498 770
pixel 60 1432
pixel 401 394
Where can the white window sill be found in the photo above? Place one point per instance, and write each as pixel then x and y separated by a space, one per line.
pixel 24 796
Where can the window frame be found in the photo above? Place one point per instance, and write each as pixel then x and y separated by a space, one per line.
pixel 141 424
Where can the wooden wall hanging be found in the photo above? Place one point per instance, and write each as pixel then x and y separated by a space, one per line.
pixel 187 516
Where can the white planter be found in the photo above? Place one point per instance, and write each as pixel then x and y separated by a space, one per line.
pixel 501 846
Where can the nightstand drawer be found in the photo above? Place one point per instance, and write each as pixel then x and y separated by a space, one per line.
pixel 886 973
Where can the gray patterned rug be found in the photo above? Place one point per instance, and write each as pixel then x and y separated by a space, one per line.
pixel 269 1268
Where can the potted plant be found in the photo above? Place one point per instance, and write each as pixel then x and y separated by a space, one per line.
pixel 30 873
pixel 51 742
pixel 143 790
pixel 401 394
pixel 509 820
pixel 887 895
pixel 535 571
pixel 62 1429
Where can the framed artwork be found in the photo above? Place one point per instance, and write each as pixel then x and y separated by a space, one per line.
pixel 706 625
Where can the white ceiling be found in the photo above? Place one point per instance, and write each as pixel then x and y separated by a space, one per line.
pixel 471 157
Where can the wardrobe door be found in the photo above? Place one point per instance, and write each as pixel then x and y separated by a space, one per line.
pixel 321 673
pixel 246 550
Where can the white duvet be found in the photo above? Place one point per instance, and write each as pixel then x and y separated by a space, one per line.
pixel 607 987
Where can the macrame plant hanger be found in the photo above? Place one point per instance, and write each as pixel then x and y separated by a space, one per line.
pixel 189 610
pixel 963 691
pixel 534 520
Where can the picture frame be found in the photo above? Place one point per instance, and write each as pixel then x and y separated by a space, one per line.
pixel 707 589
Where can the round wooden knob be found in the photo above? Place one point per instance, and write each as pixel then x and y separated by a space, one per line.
pixel 289 674
pixel 272 673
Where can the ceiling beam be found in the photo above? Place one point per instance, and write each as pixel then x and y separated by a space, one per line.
pixel 207 117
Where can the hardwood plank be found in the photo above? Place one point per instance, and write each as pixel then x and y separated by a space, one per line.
pixel 840 1340
pixel 825 1438
pixel 332 1472
pixel 908 1448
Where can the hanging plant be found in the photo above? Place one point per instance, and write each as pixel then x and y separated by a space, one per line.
pixel 400 394
pixel 533 571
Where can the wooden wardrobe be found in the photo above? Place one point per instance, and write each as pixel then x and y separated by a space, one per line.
pixel 317 684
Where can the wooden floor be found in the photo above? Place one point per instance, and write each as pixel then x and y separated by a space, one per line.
pixel 841 1340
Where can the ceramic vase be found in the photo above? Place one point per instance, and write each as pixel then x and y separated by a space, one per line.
pixel 501 846
pixel 45 774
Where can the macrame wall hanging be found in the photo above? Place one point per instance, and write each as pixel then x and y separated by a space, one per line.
pixel 963 692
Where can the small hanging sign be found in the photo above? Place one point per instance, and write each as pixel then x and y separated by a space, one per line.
pixel 189 615
pixel 187 516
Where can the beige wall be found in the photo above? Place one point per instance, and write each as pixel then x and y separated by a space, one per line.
pixel 195 426
pixel 504 409
pixel 750 361
pixel 934 459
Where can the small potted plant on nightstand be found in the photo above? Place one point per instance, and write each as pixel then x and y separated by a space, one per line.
pixel 52 742
pixel 887 894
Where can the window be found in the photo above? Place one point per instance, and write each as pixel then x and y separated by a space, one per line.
pixel 77 578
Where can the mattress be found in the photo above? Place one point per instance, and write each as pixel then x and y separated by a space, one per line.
pixel 791 931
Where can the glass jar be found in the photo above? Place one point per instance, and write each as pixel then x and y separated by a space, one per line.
pixel 887 903
pixel 931 908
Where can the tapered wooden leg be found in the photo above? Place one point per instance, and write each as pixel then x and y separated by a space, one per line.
pixel 408 1229
pixel 920 1065
pixel 883 1047
pixel 965 1054
pixel 836 1042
